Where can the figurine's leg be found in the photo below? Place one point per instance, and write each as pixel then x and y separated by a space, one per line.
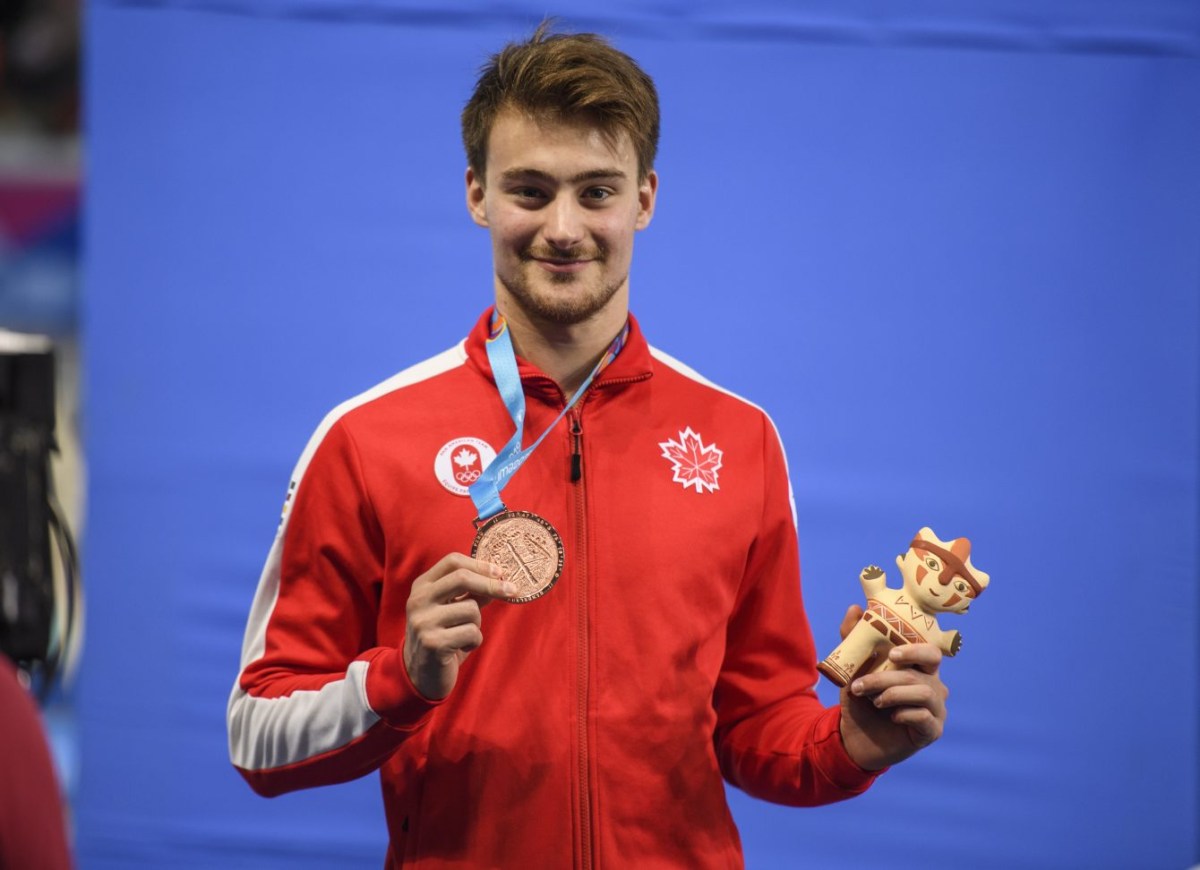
pixel 855 652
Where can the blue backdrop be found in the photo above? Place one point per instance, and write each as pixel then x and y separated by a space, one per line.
pixel 953 247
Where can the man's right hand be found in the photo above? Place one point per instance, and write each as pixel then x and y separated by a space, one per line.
pixel 444 620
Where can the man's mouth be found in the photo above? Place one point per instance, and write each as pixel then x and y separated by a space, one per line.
pixel 551 257
pixel 561 267
pixel 561 264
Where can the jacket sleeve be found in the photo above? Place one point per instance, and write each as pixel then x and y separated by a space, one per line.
pixel 317 700
pixel 774 738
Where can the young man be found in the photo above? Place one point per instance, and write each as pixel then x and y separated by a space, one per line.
pixel 574 698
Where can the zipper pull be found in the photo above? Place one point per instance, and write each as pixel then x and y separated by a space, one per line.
pixel 576 449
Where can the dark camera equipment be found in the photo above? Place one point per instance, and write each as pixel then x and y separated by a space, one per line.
pixel 36 607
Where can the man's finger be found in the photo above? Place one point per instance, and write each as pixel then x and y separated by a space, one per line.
pixel 482 585
pixel 853 615
pixel 462 611
pixel 452 562
pixel 924 727
pixel 872 684
pixel 915 695
pixel 465 638
pixel 922 656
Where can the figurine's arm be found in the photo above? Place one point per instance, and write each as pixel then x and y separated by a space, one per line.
pixel 947 641
pixel 950 642
pixel 873 580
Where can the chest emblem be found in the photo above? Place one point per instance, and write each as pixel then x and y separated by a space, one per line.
pixel 693 463
pixel 460 462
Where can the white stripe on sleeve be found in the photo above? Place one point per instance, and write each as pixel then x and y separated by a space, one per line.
pixel 266 733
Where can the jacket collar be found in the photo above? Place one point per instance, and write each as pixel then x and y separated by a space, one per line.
pixel 633 363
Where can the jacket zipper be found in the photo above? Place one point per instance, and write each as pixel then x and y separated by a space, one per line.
pixel 576 450
pixel 581 627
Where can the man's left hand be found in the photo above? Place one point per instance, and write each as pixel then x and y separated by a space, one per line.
pixel 889 715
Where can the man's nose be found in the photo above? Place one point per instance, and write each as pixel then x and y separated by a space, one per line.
pixel 564 223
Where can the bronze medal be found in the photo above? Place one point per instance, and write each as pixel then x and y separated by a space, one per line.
pixel 526 547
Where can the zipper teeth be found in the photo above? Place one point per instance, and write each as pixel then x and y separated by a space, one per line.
pixel 614 381
pixel 585 806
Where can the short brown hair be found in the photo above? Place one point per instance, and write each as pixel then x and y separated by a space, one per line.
pixel 572 76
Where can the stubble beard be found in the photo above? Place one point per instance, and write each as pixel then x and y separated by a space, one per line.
pixel 563 309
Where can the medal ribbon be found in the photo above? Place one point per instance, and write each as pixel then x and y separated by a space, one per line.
pixel 485 491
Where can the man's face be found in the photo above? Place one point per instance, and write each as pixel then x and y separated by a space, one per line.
pixel 562 203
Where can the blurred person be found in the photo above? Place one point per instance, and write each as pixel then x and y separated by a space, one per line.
pixel 39 65
pixel 32 824
pixel 575 692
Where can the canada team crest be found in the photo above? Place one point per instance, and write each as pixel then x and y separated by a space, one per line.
pixel 693 463
pixel 460 462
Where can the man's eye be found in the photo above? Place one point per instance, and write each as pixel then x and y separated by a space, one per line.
pixel 597 194
pixel 528 193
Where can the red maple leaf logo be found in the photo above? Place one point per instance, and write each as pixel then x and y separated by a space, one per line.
pixel 692 462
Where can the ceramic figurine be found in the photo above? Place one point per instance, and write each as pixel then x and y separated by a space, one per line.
pixel 938 578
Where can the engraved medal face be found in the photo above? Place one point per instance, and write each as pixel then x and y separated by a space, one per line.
pixel 526 547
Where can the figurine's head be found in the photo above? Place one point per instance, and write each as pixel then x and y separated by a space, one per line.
pixel 939 574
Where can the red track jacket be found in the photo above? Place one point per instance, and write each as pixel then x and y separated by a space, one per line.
pixel 594 725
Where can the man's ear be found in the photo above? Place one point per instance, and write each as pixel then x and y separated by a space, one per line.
pixel 647 193
pixel 475 197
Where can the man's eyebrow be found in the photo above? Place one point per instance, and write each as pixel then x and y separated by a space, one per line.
pixel 602 174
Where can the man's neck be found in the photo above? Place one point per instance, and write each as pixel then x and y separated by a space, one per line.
pixel 566 353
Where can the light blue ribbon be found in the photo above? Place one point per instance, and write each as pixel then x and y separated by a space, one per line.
pixel 485 491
